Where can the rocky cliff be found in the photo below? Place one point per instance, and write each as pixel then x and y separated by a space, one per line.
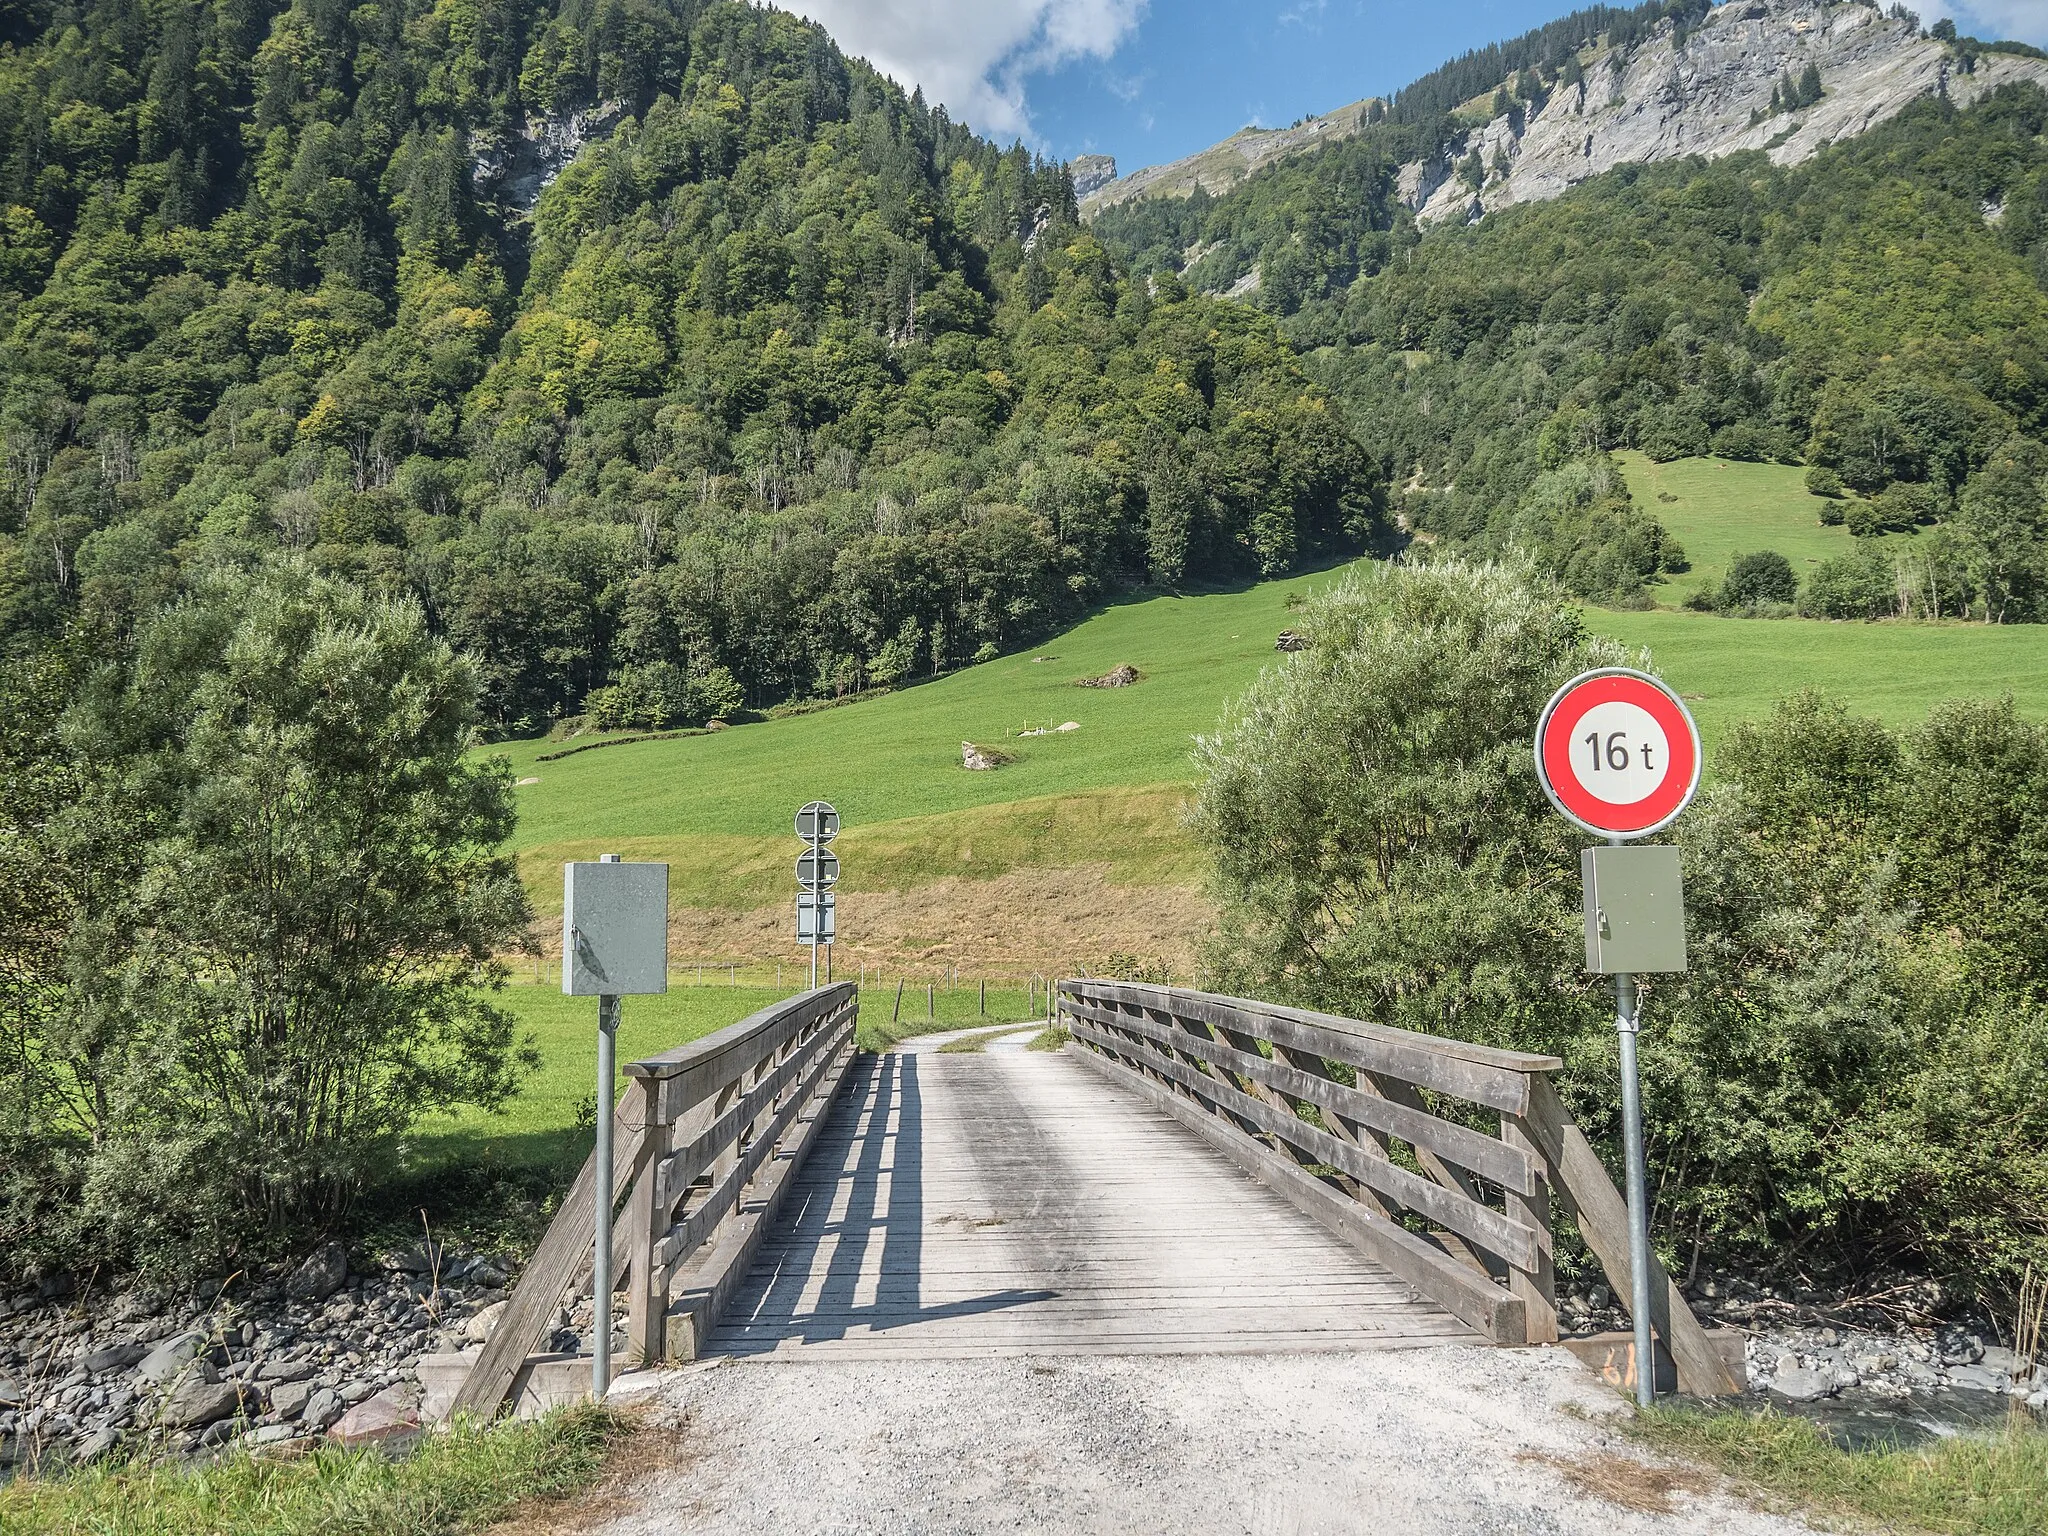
pixel 1705 92
pixel 1708 94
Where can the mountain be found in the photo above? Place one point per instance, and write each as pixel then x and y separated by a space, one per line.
pixel 1629 87
pixel 1872 306
pixel 671 359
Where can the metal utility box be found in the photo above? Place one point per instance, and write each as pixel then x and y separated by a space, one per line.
pixel 614 929
pixel 1635 910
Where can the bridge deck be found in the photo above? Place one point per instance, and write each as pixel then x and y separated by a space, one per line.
pixel 1017 1203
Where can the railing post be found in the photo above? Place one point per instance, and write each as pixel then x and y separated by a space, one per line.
pixel 647 1301
pixel 1537 1287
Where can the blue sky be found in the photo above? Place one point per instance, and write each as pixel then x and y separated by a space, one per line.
pixel 1151 80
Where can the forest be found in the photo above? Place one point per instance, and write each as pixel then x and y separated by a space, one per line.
pixel 1877 314
pixel 788 386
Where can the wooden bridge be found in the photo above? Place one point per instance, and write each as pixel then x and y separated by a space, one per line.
pixel 1192 1174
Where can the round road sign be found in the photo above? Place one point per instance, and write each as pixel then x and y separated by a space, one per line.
pixel 817 868
pixel 817 822
pixel 1618 753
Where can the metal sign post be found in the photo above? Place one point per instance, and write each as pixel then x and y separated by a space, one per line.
pixel 614 945
pixel 817 872
pixel 1619 755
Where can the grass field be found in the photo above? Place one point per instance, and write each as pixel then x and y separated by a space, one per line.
pixel 1736 669
pixel 1721 508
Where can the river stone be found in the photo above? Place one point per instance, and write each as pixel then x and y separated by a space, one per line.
pixel 11 1394
pixel 115 1357
pixel 321 1275
pixel 92 1447
pixel 285 1370
pixel 321 1410
pixel 480 1327
pixel 171 1358
pixel 288 1399
pixel 382 1417
pixel 1976 1378
pixel 1799 1385
pixel 199 1402
pixel 269 1434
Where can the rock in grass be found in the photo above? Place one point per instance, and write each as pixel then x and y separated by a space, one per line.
pixel 983 759
pixel 321 1275
pixel 288 1399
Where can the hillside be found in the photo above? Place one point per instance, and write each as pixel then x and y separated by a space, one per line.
pixel 673 360
pixel 1076 850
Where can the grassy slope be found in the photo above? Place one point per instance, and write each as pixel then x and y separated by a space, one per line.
pixel 719 806
pixel 1723 508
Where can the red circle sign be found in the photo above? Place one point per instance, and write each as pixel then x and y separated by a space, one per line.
pixel 1618 753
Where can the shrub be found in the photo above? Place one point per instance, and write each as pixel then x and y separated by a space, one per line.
pixel 285 896
pixel 1857 1064
pixel 1860 584
pixel 1754 581
pixel 1895 509
pixel 1744 440
pixel 1822 481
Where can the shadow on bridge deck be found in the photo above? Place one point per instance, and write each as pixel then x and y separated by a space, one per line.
pixel 1014 1203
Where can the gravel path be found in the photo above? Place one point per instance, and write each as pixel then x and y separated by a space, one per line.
pixel 1451 1439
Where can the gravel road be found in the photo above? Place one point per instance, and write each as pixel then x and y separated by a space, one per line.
pixel 1398 1443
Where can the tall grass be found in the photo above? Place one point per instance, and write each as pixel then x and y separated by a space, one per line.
pixel 1970 1485
pixel 455 1482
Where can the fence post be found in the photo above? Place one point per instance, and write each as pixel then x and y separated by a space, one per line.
pixel 931 1005
pixel 647 1304
pixel 1536 1287
pixel 897 1012
pixel 984 997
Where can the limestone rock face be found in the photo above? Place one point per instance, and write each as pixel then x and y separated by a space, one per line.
pixel 1659 101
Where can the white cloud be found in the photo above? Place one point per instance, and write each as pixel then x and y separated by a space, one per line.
pixel 973 55
pixel 2023 21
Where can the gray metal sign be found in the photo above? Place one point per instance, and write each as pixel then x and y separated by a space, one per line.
pixel 614 929
pixel 1635 909
pixel 810 908
pixel 817 822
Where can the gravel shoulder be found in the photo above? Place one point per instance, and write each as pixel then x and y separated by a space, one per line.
pixel 1453 1439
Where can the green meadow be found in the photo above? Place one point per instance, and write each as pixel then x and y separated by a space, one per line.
pixel 1721 508
pixel 718 806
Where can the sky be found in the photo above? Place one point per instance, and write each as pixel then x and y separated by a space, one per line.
pixel 1152 80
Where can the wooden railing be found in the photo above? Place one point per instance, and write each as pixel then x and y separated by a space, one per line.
pixel 1267 1085
pixel 708 1138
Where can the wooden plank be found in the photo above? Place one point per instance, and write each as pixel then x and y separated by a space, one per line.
pixel 1602 1215
pixel 1507 1166
pixel 1497 1232
pixel 724 1197
pixel 1493 1312
pixel 1480 1075
pixel 703 1293
pixel 709 1066
pixel 1537 1286
pixel 690 1160
pixel 530 1315
pixel 647 1296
